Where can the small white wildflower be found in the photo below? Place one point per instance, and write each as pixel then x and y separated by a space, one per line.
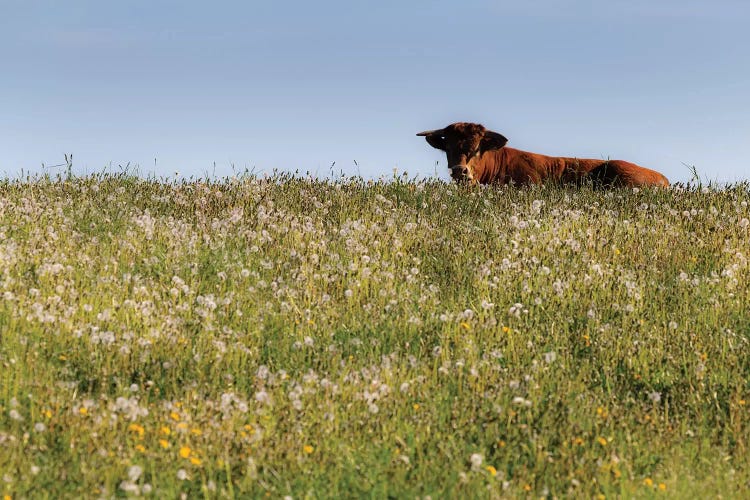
pixel 516 309
pixel 654 396
pixel 550 357
pixel 134 472
pixel 521 402
pixel 476 461
pixel 182 475
pixel 129 487
pixel 40 427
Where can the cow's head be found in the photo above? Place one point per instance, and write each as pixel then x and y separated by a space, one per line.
pixel 464 143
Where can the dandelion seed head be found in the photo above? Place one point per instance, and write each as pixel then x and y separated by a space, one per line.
pixel 476 460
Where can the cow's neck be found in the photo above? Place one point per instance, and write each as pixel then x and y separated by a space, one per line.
pixel 493 166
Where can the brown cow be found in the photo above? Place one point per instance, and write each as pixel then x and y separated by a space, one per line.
pixel 478 155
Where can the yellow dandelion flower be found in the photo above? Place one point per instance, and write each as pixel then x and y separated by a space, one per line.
pixel 7 497
pixel 175 416
pixel 182 426
pixel 501 443
pixel 165 430
pixel 491 470
pixel 600 497
pixel 248 428
pixel 662 487
pixel 47 413
pixel 415 406
pixel 195 460
pixel 185 451
pixel 62 357
pixel 602 441
pixel 140 448
pixel 164 443
pixel 138 429
pixel 526 487
pixel 742 402
pixel 465 325
pixel 648 482
pixel 506 329
pixel 308 449
pixel 195 431
pixel 578 441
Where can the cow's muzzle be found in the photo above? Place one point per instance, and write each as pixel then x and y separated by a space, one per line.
pixel 461 173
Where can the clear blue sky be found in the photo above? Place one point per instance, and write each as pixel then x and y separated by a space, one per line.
pixel 297 85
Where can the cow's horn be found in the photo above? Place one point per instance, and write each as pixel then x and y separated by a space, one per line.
pixel 431 132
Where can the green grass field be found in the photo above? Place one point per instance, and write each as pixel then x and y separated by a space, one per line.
pixel 329 339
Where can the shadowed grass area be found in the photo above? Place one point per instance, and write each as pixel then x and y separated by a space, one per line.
pixel 348 338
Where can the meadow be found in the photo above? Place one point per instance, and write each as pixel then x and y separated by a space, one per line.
pixel 292 337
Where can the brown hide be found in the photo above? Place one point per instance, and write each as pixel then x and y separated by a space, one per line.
pixel 478 155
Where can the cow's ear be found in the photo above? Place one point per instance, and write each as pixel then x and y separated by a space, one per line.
pixel 492 140
pixel 436 141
